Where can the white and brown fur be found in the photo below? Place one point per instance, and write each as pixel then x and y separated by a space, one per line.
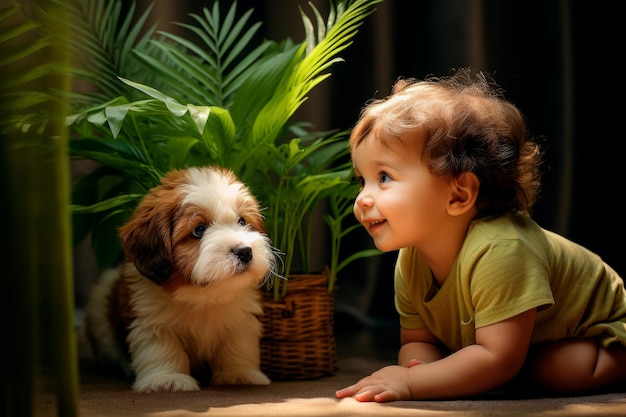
pixel 183 302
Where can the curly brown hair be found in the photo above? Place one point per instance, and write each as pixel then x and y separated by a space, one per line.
pixel 470 127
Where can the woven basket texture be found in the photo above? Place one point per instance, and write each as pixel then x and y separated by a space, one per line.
pixel 298 330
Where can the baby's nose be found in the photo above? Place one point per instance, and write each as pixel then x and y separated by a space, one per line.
pixel 364 200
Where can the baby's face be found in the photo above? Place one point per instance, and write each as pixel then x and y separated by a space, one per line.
pixel 400 203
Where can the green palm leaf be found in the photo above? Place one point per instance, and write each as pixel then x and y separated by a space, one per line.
pixel 21 104
pixel 107 204
pixel 104 36
pixel 208 72
pixel 310 71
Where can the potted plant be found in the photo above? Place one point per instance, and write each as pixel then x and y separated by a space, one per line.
pixel 164 101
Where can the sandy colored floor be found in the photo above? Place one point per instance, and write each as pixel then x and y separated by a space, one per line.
pixel 360 351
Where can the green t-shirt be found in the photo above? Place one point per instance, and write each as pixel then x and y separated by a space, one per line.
pixel 508 265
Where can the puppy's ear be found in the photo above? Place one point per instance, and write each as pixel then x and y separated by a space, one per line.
pixel 247 202
pixel 252 210
pixel 257 222
pixel 147 237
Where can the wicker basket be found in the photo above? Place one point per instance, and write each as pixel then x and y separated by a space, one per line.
pixel 298 330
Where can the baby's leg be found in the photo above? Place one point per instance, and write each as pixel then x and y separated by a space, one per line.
pixel 576 365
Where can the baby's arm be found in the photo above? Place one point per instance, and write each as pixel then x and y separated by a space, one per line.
pixel 497 356
pixel 419 345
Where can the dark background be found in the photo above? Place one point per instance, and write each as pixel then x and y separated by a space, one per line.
pixel 558 61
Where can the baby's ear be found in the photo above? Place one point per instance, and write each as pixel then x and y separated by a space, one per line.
pixel 464 193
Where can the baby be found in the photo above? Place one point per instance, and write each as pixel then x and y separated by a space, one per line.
pixel 449 173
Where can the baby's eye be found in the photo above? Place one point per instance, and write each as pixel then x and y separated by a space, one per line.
pixel 384 177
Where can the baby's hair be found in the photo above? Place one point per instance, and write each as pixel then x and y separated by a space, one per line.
pixel 470 127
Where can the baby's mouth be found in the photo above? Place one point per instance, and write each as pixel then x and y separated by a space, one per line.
pixel 375 223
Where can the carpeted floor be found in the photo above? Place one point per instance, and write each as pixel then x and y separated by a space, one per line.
pixel 104 397
pixel 361 350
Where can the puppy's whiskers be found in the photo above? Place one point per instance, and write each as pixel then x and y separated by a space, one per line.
pixel 272 272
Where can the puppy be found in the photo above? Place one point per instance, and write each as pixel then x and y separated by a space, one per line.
pixel 188 296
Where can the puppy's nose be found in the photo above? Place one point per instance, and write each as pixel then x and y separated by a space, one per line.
pixel 244 253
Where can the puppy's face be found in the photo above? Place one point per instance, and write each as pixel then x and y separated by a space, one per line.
pixel 200 228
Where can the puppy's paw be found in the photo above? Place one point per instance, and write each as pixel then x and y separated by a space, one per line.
pixel 166 382
pixel 240 377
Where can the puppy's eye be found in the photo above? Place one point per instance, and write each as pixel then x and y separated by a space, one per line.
pixel 241 221
pixel 199 230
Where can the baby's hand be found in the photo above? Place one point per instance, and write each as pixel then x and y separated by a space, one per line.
pixel 388 384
